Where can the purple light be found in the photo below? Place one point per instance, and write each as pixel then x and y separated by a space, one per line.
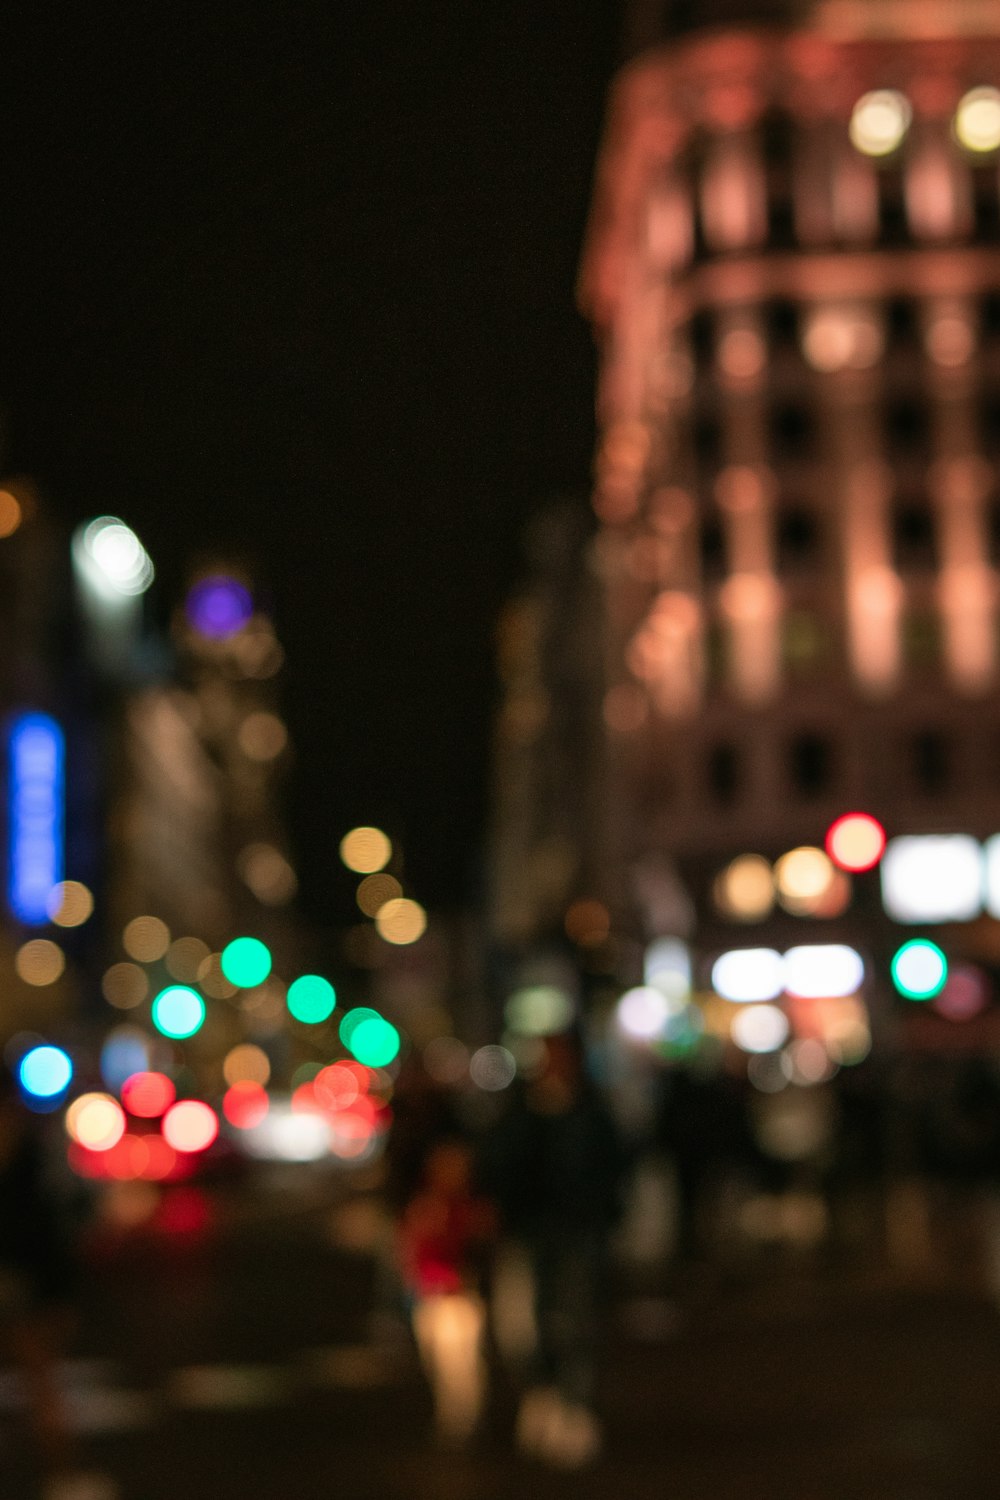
pixel 218 607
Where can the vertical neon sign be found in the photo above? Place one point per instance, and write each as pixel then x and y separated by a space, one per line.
pixel 35 798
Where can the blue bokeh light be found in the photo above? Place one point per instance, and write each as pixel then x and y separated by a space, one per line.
pixel 218 607
pixel 45 1072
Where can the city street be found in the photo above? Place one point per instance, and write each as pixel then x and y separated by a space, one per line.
pixel 217 1366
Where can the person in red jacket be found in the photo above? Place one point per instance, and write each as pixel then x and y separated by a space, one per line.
pixel 442 1233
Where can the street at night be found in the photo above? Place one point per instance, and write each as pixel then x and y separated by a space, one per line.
pixel 248 1362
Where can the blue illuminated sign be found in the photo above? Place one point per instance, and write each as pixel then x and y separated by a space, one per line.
pixel 35 793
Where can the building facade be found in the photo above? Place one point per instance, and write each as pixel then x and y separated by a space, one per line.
pixel 793 272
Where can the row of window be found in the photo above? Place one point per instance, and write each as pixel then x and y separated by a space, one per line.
pixel 782 189
pixel 926 764
pixel 804 542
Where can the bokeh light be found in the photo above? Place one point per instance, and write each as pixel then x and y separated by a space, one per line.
pixel 817 970
pixel 213 981
pixel 125 1051
pixel 365 850
pixel 446 1060
pixel 124 986
pixel 375 890
pixel 45 1072
pixel 492 1068
pixel 262 736
pixel 218 607
pixel 190 1126
pixel 539 1010
pixel 70 903
pixel 95 1121
pixel 354 1018
pixel 246 1063
pixel 856 842
pixel 246 962
pixel 185 957
pixel 401 921
pixel 642 1013
pixel 266 872
pixel 112 559
pixel 977 120
pixel 311 999
pixel 587 923
pixel 745 889
pixel 245 1104
pixel 760 1028
pixel 919 969
pixel 375 1042
pixel 148 1095
pixel 178 1011
pixel 804 878
pixel 966 993
pixel 746 975
pixel 932 878
pixel 879 122
pixel 39 962
pixel 11 514
pixel 337 1086
pixel 146 939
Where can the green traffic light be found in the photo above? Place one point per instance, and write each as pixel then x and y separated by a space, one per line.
pixel 375 1042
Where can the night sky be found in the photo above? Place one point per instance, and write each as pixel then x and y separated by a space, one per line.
pixel 295 283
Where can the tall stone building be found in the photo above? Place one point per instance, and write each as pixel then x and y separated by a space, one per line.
pixel 793 272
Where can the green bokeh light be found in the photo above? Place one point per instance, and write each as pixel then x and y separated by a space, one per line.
pixel 353 1019
pixel 311 999
pixel 246 962
pixel 178 1011
pixel 919 970
pixel 375 1042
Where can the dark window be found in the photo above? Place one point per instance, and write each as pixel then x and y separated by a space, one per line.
pixel 724 773
pixel 778 138
pixel 805 642
pixel 902 321
pixel 702 336
pixel 922 638
pixel 993 525
pixel 712 544
pixel 907 427
pixel 931 761
pixel 986 202
pixel 782 324
pixel 799 540
pixel 792 430
pixel 991 314
pixel 990 424
pixel 893 222
pixel 706 440
pixel 811 764
pixel 914 540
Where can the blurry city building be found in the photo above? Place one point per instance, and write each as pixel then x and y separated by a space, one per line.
pixel 792 272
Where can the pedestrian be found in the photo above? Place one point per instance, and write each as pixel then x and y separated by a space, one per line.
pixel 555 1165
pixel 442 1234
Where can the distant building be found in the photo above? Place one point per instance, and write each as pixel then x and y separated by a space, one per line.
pixel 792 268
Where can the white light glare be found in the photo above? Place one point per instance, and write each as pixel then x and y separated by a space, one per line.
pixel 991 849
pixel 823 971
pixel 667 967
pixel 745 975
pixel 110 556
pixel 643 1013
pixel 932 878
pixel 760 1028
pixel 880 121
pixel 288 1135
pixel 977 120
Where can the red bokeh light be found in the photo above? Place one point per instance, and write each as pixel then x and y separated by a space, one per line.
pixel 245 1104
pixel 148 1095
pixel 856 842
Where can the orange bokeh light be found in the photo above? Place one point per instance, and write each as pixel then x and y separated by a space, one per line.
pixel 190 1126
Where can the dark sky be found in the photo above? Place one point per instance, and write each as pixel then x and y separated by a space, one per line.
pixel 296 282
